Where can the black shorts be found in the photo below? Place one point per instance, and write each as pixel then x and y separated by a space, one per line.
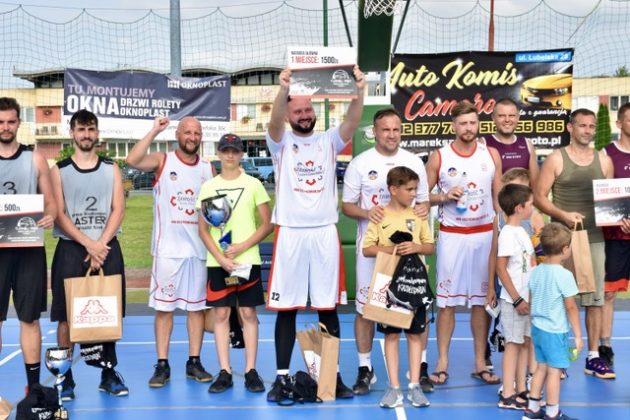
pixel 249 294
pixel 68 262
pixel 617 265
pixel 23 270
pixel 418 324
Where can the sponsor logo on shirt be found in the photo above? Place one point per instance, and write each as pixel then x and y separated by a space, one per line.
pixel 184 201
pixel 372 175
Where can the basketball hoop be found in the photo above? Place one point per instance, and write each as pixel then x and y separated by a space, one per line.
pixel 379 7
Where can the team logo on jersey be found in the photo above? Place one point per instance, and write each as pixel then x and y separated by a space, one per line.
pixel 309 173
pixel 411 224
pixel 381 198
pixel 372 175
pixel 233 195
pixel 184 201
pixel 168 290
pixel 296 148
pixel 173 176
pixel 452 172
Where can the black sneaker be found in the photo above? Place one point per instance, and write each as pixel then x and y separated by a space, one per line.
pixel 222 383
pixel 425 383
pixel 161 375
pixel 112 383
pixel 194 370
pixel 365 380
pixel 276 394
pixel 253 381
pixel 67 390
pixel 342 390
pixel 607 355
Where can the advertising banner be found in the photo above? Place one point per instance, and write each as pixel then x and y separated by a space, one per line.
pixel 612 201
pixel 322 72
pixel 126 103
pixel 426 87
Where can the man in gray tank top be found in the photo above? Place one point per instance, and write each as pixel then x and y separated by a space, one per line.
pixel 23 269
pixel 89 194
pixel 568 173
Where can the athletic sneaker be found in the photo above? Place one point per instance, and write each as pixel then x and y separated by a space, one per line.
pixel 425 383
pixel 342 390
pixel 392 398
pixel 607 355
pixel 253 381
pixel 161 375
pixel 195 370
pixel 222 383
pixel 67 390
pixel 365 379
pixel 416 397
pixel 598 368
pixel 112 382
pixel 276 394
pixel 540 414
pixel 560 416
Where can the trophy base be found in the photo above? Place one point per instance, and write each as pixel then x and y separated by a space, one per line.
pixel 61 414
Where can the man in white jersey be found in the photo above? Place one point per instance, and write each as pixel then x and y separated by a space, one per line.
pixel 365 194
pixel 178 277
pixel 468 176
pixel 307 250
pixel 23 269
pixel 90 198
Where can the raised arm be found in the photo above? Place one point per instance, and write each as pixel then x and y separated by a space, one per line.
pixel 355 110
pixel 138 157
pixel 279 110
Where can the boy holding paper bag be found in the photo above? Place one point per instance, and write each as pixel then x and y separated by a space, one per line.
pixel 398 217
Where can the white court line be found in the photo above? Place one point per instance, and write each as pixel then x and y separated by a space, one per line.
pixel 9 357
pixel 400 411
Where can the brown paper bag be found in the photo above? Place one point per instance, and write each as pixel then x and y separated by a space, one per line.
pixel 5 409
pixel 580 263
pixel 320 351
pixel 208 323
pixel 375 309
pixel 94 308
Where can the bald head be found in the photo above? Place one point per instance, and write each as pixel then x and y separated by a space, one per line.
pixel 188 134
pixel 301 115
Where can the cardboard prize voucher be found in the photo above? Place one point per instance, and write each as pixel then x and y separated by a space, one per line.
pixel 322 72
pixel 612 201
pixel 19 214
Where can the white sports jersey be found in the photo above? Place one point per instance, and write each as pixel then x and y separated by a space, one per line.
pixel 479 169
pixel 175 230
pixel 306 180
pixel 365 181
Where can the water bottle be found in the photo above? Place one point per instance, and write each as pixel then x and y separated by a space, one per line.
pixel 462 203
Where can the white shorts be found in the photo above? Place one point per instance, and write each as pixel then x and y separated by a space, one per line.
pixel 307 263
pixel 462 268
pixel 513 326
pixel 178 283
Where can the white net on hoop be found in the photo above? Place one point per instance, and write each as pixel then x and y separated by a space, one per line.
pixel 379 7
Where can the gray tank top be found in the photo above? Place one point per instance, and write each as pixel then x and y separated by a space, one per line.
pixel 88 196
pixel 17 173
pixel 573 191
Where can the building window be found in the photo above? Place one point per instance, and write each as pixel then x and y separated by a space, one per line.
pixel 27 114
pixel 245 110
pixel 617 101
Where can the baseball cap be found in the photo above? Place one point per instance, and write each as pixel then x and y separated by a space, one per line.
pixel 230 141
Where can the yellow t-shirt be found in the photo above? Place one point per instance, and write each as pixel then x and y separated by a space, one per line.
pixel 405 221
pixel 245 194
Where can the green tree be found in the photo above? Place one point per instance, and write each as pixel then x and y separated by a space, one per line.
pixel 602 131
pixel 622 72
pixel 67 151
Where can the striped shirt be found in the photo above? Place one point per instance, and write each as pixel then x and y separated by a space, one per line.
pixel 549 284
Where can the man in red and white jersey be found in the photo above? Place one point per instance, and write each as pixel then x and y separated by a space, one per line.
pixel 468 176
pixel 365 194
pixel 306 256
pixel 178 276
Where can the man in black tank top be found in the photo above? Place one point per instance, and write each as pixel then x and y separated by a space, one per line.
pixel 23 270
pixel 89 194
pixel 568 173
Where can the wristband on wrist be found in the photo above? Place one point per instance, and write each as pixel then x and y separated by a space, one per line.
pixel 517 302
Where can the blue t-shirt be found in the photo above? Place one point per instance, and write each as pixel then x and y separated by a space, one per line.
pixel 549 284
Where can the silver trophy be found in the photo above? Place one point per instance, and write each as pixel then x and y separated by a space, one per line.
pixel 216 211
pixel 58 362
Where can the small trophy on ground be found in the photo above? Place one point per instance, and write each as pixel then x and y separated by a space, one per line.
pixel 58 362
pixel 216 211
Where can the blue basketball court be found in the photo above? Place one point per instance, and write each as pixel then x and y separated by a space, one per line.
pixel 583 396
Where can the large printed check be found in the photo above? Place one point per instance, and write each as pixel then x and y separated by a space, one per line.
pixel 19 214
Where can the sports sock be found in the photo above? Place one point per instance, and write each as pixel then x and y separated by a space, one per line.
pixel 552 410
pixel 605 341
pixel 193 359
pixel 592 355
pixel 32 373
pixel 331 320
pixel 365 359
pixel 163 361
pixel 534 404
pixel 282 372
pixel 424 357
pixel 285 338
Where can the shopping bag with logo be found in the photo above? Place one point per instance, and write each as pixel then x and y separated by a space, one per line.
pixel 580 263
pixel 321 355
pixel 94 308
pixel 378 308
